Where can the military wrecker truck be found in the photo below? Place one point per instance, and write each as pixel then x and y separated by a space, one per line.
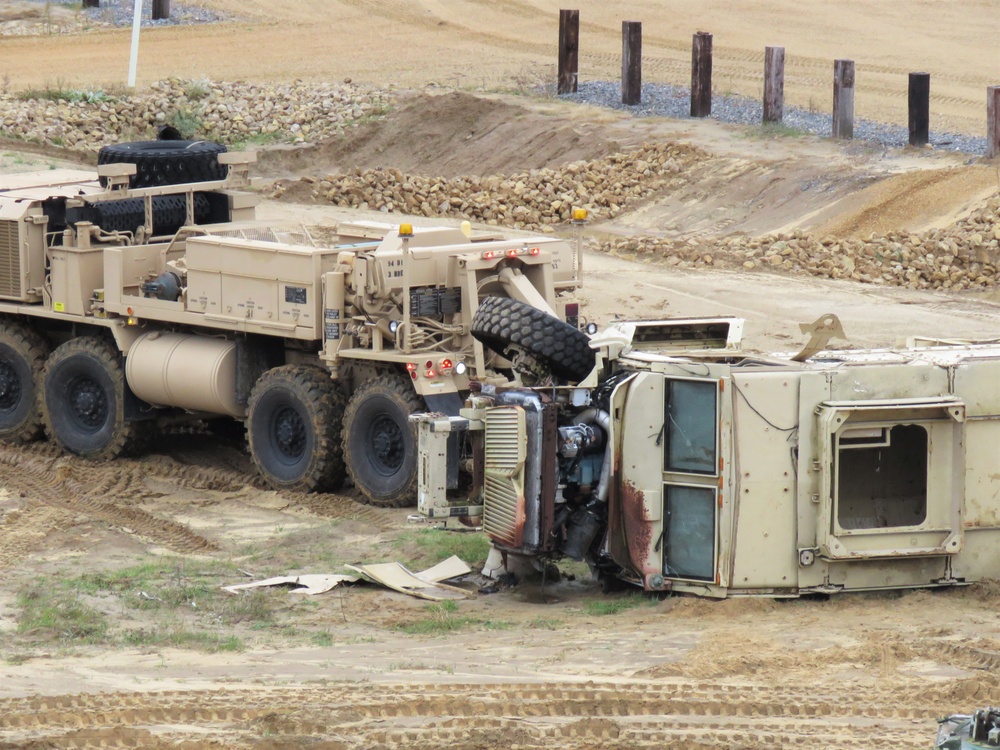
pixel 146 293
pixel 683 463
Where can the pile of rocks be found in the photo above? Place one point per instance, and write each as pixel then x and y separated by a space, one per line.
pixel 962 256
pixel 223 112
pixel 526 200
pixel 965 255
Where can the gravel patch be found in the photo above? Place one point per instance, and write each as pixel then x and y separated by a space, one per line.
pixel 119 13
pixel 660 100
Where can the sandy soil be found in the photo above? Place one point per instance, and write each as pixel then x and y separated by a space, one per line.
pixel 512 44
pixel 140 547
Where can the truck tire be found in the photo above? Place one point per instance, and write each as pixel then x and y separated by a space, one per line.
pixel 293 428
pixel 502 322
pixel 380 443
pixel 84 407
pixel 22 362
pixel 166 162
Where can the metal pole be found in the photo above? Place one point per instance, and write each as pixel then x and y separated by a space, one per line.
pixel 133 61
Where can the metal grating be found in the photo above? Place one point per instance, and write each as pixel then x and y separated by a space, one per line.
pixel 503 489
pixel 10 260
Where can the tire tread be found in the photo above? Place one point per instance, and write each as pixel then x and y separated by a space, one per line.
pixel 395 387
pixel 325 402
pixel 502 321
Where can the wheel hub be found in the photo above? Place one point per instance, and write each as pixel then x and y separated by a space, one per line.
pixel 88 402
pixel 10 386
pixel 385 438
pixel 289 433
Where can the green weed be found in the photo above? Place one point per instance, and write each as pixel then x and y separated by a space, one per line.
pixel 772 131
pixel 180 638
pixel 187 121
pixel 323 639
pixel 196 90
pixel 444 618
pixel 604 607
pixel 435 545
pixel 51 615
pixel 61 93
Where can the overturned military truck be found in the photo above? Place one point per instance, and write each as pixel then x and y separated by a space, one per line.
pixel 684 464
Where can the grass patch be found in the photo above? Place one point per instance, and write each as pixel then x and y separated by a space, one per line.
pixel 210 643
pixel 49 614
pixel 186 595
pixel 773 130
pixel 262 139
pixel 323 639
pixel 434 545
pixel 444 618
pixel 61 93
pixel 605 607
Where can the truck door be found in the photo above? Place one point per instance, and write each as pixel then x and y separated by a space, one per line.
pixel 691 478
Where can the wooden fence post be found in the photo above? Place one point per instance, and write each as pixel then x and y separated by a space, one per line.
pixel 569 49
pixel 91 3
pixel 920 108
pixel 774 84
pixel 701 75
pixel 631 62
pixel 843 98
pixel 161 9
pixel 992 121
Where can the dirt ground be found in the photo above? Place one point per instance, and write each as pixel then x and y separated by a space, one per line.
pixel 113 629
pixel 512 44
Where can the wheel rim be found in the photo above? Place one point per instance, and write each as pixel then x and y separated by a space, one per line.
pixel 386 445
pixel 10 386
pixel 88 404
pixel 288 434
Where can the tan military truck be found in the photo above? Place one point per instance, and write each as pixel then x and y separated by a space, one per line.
pixel 146 293
pixel 685 464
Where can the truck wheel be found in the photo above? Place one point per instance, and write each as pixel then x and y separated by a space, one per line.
pixel 84 408
pixel 22 360
pixel 293 429
pixel 166 162
pixel 502 322
pixel 380 444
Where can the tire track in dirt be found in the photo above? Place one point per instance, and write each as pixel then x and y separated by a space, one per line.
pixel 98 490
pixel 109 492
pixel 24 531
pixel 641 714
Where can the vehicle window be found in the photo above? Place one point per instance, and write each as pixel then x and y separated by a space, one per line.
pixel 691 426
pixel 690 532
pixel 882 477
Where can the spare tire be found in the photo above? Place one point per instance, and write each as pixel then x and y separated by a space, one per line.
pixel 502 322
pixel 166 162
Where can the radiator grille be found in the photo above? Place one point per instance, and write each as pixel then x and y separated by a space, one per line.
pixel 10 260
pixel 503 490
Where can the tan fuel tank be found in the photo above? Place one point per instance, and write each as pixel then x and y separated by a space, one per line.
pixel 196 373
